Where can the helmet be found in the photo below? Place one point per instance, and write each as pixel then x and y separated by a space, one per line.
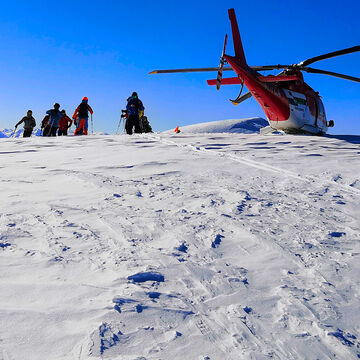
pixel 85 98
pixel 63 111
pixel 56 106
pixel 134 94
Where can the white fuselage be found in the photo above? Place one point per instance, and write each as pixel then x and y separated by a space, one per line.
pixel 301 120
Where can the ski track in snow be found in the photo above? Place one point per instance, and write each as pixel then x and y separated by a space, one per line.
pixel 166 246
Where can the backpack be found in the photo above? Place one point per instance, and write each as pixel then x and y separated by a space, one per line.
pixel 134 105
pixel 145 125
pixel 83 110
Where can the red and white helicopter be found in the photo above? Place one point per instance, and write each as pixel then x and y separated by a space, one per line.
pixel 290 104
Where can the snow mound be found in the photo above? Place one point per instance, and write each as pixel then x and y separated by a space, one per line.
pixel 242 126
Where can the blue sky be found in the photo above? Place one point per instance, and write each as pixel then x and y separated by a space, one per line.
pixel 62 51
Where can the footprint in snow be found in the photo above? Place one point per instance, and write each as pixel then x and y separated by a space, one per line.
pixel 346 338
pixel 147 276
pixel 153 295
pixel 238 280
pixel 4 245
pixel 104 338
pixel 217 241
pixel 336 234
pixel 182 248
pixel 119 302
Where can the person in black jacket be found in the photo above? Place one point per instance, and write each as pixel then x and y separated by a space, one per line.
pixel 54 116
pixel 29 124
pixel 135 109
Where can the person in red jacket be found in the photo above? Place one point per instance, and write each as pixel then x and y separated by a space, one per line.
pixel 81 117
pixel 45 127
pixel 64 124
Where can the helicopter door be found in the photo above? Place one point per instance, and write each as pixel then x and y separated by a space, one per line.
pixel 321 118
pixel 312 114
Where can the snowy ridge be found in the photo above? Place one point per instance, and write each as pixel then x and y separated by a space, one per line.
pixel 180 246
pixel 9 133
pixel 6 133
pixel 241 126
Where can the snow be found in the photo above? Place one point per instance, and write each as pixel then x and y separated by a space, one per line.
pixel 180 246
pixel 6 133
pixel 244 126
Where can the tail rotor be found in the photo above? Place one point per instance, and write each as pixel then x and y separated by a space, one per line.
pixel 221 66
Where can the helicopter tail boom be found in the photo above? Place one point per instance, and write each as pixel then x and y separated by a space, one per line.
pixel 238 47
pixel 275 106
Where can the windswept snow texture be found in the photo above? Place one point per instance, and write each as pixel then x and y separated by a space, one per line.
pixel 243 126
pixel 180 246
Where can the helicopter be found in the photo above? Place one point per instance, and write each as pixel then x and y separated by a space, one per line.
pixel 290 105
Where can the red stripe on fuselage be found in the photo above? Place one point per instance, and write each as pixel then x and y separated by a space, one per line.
pixel 278 78
pixel 275 105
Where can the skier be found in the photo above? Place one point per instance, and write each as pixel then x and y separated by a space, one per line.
pixel 135 109
pixel 54 118
pixel 64 124
pixel 45 127
pixel 29 124
pixel 81 117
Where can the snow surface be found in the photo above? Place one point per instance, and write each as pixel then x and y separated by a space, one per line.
pixel 180 246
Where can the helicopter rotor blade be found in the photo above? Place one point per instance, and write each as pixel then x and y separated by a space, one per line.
pixel 225 68
pixel 324 72
pixel 170 71
pixel 330 55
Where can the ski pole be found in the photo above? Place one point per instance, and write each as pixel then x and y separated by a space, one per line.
pixel 51 125
pixel 117 130
pixel 13 134
pixel 92 125
pixel 49 133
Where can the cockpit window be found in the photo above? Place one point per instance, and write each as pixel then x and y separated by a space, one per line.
pixel 291 101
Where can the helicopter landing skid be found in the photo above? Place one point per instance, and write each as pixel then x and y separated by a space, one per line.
pixel 269 130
